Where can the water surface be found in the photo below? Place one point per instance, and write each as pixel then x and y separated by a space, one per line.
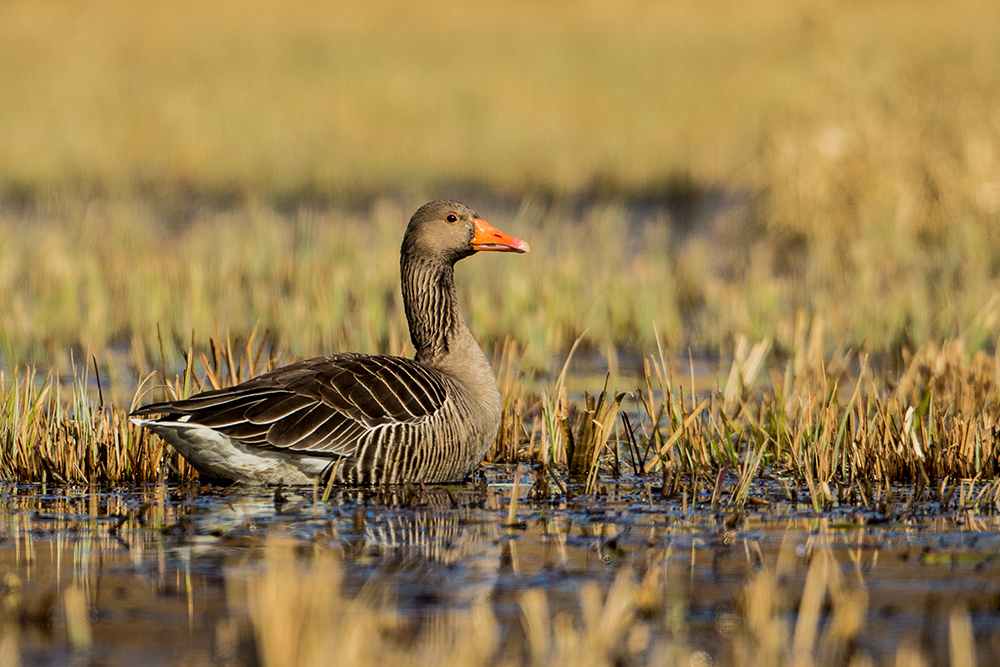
pixel 158 569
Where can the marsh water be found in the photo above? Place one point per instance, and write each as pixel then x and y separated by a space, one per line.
pixel 152 570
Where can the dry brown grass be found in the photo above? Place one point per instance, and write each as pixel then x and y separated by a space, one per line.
pixel 833 426
pixel 47 436
pixel 53 430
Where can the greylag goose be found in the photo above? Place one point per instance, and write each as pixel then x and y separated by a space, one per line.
pixel 358 418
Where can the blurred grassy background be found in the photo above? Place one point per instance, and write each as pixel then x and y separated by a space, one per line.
pixel 716 168
pixel 275 98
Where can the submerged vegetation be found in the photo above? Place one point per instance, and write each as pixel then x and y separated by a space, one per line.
pixel 297 614
pixel 183 575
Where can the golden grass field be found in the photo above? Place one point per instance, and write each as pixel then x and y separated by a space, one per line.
pixel 277 99
pixel 187 165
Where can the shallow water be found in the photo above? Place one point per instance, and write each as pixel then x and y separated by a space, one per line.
pixel 156 566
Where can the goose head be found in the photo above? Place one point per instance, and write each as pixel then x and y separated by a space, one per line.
pixel 447 231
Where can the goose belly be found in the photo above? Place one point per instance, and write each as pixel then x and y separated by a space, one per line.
pixel 215 455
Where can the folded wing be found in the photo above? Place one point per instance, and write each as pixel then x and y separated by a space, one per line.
pixel 320 406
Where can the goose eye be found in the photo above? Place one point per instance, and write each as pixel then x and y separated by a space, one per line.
pixel 452 217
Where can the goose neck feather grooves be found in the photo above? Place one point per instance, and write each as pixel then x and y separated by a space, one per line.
pixel 431 305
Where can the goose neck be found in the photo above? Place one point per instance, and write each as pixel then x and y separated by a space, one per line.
pixel 431 306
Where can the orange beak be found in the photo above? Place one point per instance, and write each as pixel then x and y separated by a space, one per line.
pixel 488 238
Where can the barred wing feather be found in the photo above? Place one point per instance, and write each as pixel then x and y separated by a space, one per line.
pixel 320 406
